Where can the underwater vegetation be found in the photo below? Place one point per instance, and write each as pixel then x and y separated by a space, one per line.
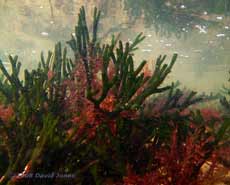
pixel 98 119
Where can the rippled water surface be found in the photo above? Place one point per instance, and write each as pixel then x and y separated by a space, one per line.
pixel 199 31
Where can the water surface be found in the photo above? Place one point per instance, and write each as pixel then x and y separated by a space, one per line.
pixel 198 31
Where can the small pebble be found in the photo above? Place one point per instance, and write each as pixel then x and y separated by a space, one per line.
pixel 146 50
pixel 220 35
pixel 219 18
pixel 44 33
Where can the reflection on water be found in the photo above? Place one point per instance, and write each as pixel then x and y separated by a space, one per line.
pixel 199 31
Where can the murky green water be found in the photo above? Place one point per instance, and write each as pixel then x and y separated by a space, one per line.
pixel 199 31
